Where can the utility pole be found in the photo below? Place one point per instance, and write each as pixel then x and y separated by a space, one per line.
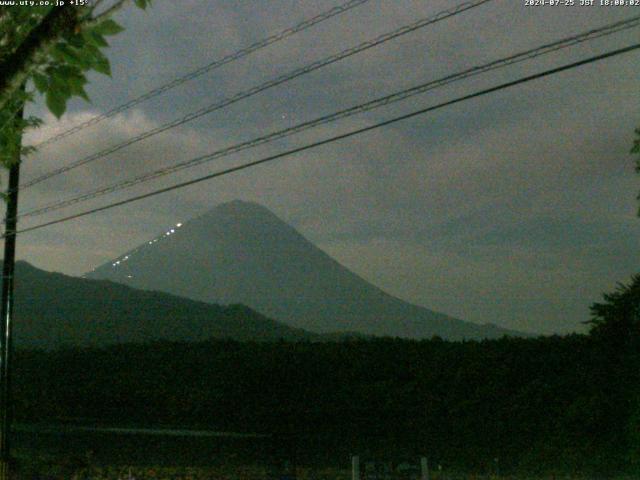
pixel 6 322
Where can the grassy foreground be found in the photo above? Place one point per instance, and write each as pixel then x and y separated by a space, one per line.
pixel 52 470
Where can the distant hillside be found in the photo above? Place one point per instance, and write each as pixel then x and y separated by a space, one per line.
pixel 240 252
pixel 54 309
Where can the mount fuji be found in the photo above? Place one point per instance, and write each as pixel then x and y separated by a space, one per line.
pixel 240 252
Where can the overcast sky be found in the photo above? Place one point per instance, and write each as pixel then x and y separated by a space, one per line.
pixel 516 208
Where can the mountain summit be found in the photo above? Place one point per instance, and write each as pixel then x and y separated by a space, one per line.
pixel 240 252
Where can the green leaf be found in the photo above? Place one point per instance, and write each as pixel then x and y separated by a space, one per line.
pixel 96 59
pixel 33 122
pixel 636 142
pixel 76 40
pixel 56 102
pixel 41 82
pixel 83 94
pixel 89 56
pixel 59 82
pixel 76 85
pixel 97 39
pixel 86 57
pixel 66 54
pixel 68 71
pixel 101 65
pixel 142 4
pixel 108 27
pixel 28 150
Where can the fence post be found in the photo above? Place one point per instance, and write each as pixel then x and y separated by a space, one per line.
pixel 424 468
pixel 355 467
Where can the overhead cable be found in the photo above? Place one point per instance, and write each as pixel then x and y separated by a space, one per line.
pixel 254 47
pixel 373 104
pixel 259 88
pixel 337 137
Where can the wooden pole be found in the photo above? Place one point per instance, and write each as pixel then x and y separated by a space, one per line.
pixel 424 468
pixel 355 468
pixel 6 322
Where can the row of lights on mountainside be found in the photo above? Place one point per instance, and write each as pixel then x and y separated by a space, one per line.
pixel 126 257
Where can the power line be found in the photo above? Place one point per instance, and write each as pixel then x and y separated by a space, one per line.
pixel 424 22
pixel 207 68
pixel 376 103
pixel 338 137
pixel 596 33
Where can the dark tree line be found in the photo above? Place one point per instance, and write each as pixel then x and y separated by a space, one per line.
pixel 548 404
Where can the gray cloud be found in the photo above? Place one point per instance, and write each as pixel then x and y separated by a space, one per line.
pixel 516 208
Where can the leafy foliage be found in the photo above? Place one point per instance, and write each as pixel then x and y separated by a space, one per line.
pixel 59 69
pixel 11 125
pixel 617 319
pixel 63 76
pixel 616 325
pixel 142 3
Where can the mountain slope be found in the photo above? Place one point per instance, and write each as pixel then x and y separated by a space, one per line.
pixel 53 309
pixel 240 252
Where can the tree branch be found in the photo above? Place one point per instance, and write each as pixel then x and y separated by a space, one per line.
pixel 17 66
pixel 108 12
pixel 95 5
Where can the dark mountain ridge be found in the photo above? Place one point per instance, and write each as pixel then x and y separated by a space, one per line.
pixel 240 252
pixel 53 309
